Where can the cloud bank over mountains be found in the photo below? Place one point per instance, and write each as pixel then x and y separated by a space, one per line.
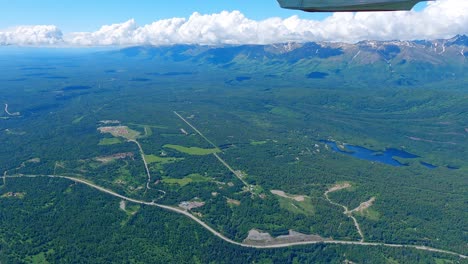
pixel 32 35
pixel 440 19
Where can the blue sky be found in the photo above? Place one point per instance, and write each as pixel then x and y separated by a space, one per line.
pixel 96 23
pixel 89 15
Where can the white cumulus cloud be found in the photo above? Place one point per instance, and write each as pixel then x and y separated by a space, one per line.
pixel 440 19
pixel 32 35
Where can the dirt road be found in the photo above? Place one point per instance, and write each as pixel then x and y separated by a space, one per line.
pixel 196 130
pixel 10 114
pixel 346 210
pixel 231 169
pixel 144 161
pixel 215 154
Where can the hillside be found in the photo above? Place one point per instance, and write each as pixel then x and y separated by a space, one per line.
pixel 393 63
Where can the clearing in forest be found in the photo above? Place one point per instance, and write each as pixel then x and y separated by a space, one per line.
pixel 298 198
pixel 365 210
pixel 160 160
pixel 109 141
pixel 77 120
pixel 193 150
pixel 120 131
pixel 107 159
pixel 298 204
pixel 233 201
pixel 123 205
pixel 259 142
pixel 195 177
pixel 189 205
pixel 257 237
pixel 19 195
pixel 339 187
pixel 364 206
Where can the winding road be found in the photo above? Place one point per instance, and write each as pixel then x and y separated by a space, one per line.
pixel 221 236
pixel 10 114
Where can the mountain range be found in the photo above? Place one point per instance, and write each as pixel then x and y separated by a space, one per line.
pixel 399 63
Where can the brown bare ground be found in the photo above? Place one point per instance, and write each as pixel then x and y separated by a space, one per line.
pixel 120 131
pixel 339 187
pixel 107 122
pixel 233 202
pixel 117 156
pixel 365 205
pixel 257 237
pixel 123 205
pixel 298 198
pixel 191 205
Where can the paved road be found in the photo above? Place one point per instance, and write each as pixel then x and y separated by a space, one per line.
pixel 216 233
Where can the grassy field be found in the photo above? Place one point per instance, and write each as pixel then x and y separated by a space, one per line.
pixel 78 120
pixel 187 180
pixel 39 258
pixel 148 131
pixel 256 143
pixel 370 214
pixel 306 207
pixel 160 160
pixel 126 177
pixel 193 150
pixel 109 141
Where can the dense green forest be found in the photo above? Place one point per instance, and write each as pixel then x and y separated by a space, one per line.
pixel 61 222
pixel 82 116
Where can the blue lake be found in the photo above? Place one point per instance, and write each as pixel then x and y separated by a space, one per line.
pixel 386 157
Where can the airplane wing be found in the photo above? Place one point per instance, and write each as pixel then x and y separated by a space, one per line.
pixel 349 5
